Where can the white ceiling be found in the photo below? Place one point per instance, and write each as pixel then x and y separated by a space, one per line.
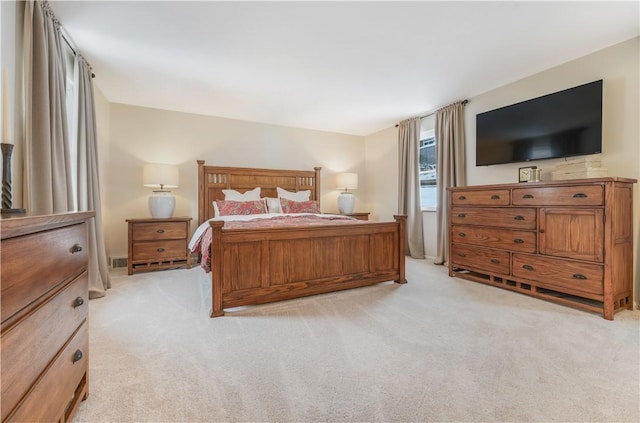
pixel 348 67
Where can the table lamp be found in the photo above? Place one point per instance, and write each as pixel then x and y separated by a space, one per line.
pixel 346 201
pixel 157 175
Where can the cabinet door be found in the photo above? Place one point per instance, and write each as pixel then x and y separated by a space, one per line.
pixel 572 233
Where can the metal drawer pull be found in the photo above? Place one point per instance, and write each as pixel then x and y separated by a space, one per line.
pixel 527 267
pixel 160 250
pixel 462 254
pixel 462 197
pixel 77 356
pixel 579 195
pixel 518 241
pixel 519 218
pixel 160 231
pixel 579 276
pixel 462 234
pixel 527 196
pixel 76 248
pixel 495 197
pixel 496 261
pixel 78 302
pixel 462 215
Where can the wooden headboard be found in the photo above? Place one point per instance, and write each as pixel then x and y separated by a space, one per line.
pixel 213 179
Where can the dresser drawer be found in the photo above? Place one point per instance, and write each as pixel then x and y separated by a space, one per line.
pixel 563 275
pixel 34 264
pixel 508 217
pixel 513 240
pixel 51 394
pixel 494 197
pixel 160 250
pixel 579 195
pixel 159 230
pixel 29 346
pixel 481 259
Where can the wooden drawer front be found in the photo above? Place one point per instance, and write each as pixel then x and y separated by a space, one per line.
pixel 160 250
pixel 517 218
pixel 580 195
pixel 29 346
pixel 159 230
pixel 576 233
pixel 495 197
pixel 494 238
pixel 34 264
pixel 482 259
pixel 560 274
pixel 58 384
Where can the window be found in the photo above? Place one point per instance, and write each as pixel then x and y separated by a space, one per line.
pixel 428 170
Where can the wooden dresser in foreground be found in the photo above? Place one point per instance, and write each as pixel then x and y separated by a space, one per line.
pixel 158 244
pixel 45 341
pixel 566 241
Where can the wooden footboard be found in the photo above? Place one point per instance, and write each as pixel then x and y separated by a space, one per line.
pixel 256 266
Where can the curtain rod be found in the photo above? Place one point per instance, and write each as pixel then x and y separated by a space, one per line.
pixel 65 37
pixel 464 102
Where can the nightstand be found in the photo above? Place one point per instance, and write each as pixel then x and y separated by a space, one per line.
pixel 359 216
pixel 158 244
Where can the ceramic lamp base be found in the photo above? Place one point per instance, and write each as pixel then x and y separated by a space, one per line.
pixel 162 204
pixel 346 202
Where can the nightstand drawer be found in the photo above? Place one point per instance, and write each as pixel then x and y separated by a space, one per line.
pixel 159 230
pixel 160 250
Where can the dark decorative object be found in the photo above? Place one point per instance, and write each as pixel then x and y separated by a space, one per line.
pixel 7 150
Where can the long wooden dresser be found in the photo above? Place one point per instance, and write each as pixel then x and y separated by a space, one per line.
pixel 566 241
pixel 44 299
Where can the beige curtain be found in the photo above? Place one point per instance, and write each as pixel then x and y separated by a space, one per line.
pixel 47 176
pixel 88 186
pixel 409 184
pixel 450 143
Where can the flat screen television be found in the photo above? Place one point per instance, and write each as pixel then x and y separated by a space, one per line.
pixel 562 124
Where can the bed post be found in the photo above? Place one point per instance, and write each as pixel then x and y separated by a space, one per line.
pixel 402 239
pixel 316 185
pixel 201 188
pixel 216 268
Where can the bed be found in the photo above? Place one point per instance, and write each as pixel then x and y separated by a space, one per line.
pixel 259 265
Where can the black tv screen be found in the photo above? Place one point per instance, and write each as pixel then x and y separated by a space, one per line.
pixel 562 124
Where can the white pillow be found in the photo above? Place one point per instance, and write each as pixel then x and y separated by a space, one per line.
pixel 273 205
pixel 233 195
pixel 294 196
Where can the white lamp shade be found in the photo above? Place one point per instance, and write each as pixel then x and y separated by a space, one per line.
pixel 158 175
pixel 347 181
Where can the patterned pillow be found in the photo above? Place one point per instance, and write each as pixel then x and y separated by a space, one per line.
pixel 289 206
pixel 228 208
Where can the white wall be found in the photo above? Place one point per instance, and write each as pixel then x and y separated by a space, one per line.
pixel 381 157
pixel 617 65
pixel 140 135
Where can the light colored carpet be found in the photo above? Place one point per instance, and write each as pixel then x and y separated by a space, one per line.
pixel 436 349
